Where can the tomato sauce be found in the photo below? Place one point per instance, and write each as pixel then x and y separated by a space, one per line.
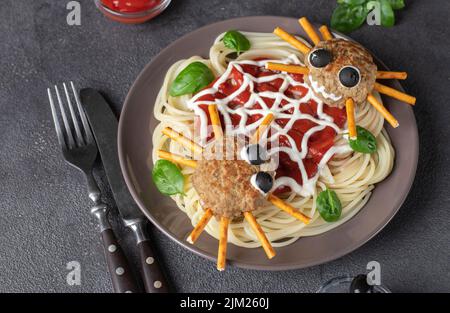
pixel 318 144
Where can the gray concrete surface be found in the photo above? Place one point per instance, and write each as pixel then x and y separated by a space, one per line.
pixel 44 219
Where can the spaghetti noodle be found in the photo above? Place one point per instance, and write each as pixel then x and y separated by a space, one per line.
pixel 350 174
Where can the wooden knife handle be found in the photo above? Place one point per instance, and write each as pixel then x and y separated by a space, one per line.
pixel 121 275
pixel 154 280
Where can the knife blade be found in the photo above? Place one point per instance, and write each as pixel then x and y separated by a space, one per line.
pixel 104 125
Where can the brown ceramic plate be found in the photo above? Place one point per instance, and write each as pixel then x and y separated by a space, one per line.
pixel 135 145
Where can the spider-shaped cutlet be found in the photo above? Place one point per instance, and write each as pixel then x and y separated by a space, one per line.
pixel 227 192
pixel 341 73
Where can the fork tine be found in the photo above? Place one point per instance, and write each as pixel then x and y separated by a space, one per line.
pixel 87 128
pixel 59 133
pixel 80 140
pixel 66 122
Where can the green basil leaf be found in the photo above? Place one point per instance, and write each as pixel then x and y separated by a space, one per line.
pixel 191 79
pixel 347 18
pixel 397 4
pixel 168 178
pixel 387 14
pixel 373 4
pixel 236 41
pixel 329 205
pixel 352 2
pixel 365 141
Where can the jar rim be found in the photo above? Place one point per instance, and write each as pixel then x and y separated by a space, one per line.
pixel 161 6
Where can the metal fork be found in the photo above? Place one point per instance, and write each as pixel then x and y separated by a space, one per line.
pixel 80 151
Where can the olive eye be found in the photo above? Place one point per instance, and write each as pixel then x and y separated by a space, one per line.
pixel 320 58
pixel 349 76
pixel 263 181
pixel 255 154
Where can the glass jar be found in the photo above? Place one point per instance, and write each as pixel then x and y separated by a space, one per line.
pixel 343 285
pixel 131 11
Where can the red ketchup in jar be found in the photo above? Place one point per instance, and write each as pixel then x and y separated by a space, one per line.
pixel 127 6
pixel 131 11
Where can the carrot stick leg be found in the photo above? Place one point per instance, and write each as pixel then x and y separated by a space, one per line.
pixel 288 209
pixel 394 93
pixel 288 68
pixel 215 121
pixel 291 40
pixel 182 140
pixel 176 158
pixel 198 229
pixel 325 32
pixel 383 111
pixel 392 75
pixel 350 108
pixel 223 240
pixel 262 127
pixel 309 29
pixel 270 252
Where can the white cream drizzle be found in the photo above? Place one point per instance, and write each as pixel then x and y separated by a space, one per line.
pixel 323 120
pixel 321 90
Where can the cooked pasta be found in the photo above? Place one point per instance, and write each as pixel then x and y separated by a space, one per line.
pixel 350 174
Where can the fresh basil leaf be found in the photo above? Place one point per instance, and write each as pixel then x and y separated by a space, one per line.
pixel 236 41
pixel 397 4
pixel 329 205
pixel 352 2
pixel 191 79
pixel 168 178
pixel 347 18
pixel 365 141
pixel 387 14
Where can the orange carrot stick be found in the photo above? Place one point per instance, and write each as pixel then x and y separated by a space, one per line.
pixel 380 108
pixel 223 240
pixel 288 209
pixel 182 140
pixel 270 252
pixel 262 127
pixel 325 32
pixel 288 68
pixel 215 121
pixel 392 75
pixel 176 158
pixel 292 40
pixel 198 229
pixel 309 29
pixel 395 93
pixel 350 108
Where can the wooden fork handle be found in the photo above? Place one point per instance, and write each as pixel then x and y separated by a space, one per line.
pixel 121 276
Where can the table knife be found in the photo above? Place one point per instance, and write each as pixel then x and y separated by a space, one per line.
pixel 104 125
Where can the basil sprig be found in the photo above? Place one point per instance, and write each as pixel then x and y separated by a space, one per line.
pixel 348 17
pixel 168 178
pixel 329 205
pixel 191 79
pixel 387 13
pixel 236 41
pixel 351 14
pixel 365 141
pixel 397 4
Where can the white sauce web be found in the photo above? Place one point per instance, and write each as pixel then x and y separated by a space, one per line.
pixel 321 89
pixel 295 154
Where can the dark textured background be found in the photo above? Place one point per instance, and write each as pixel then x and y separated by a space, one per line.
pixel 44 219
